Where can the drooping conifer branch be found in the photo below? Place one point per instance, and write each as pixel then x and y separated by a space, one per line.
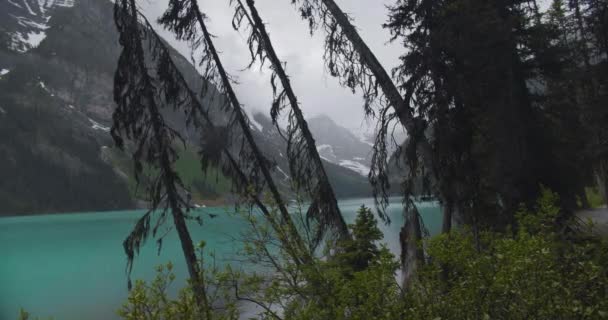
pixel 348 58
pixel 138 117
pixel 215 147
pixel 186 20
pixel 305 164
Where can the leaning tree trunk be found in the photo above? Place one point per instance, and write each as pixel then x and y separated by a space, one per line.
pixel 448 212
pixel 130 39
pixel 406 118
pixel 411 254
pixel 201 120
pixel 262 164
pixel 323 194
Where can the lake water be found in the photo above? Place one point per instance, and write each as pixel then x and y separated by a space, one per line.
pixel 72 266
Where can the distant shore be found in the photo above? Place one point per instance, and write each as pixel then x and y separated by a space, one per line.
pixel 599 218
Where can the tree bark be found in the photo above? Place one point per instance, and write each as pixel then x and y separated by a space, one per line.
pixel 448 210
pixel 411 254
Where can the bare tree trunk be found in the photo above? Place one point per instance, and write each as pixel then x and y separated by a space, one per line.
pixel 168 176
pixel 404 113
pixel 401 106
pixel 411 254
pixel 448 210
pixel 198 282
pixel 286 219
pixel 324 184
pixel 237 174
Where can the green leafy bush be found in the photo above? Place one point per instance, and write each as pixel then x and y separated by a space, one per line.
pixel 536 271
pixel 533 273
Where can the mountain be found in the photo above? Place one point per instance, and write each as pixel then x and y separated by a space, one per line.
pixel 341 146
pixel 346 181
pixel 25 22
pixel 57 62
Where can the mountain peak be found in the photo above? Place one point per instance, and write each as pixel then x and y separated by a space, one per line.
pixel 323 118
pixel 339 145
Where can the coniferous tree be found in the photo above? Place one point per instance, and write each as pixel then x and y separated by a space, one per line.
pixel 215 149
pixel 580 25
pixel 480 74
pixel 348 58
pixel 593 29
pixel 168 87
pixel 362 250
pixel 138 117
pixel 186 20
pixel 305 164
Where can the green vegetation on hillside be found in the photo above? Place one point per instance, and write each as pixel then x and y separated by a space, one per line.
pixel 205 186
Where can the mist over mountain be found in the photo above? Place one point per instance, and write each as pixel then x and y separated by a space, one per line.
pixel 57 62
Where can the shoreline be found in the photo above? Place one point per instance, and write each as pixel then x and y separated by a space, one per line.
pixel 140 205
pixel 143 205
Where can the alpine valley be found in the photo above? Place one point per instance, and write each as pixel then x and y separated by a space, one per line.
pixel 57 62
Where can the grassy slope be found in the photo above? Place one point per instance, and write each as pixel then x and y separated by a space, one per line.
pixel 205 187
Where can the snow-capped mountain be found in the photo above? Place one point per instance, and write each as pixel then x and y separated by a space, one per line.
pixel 348 181
pixel 27 21
pixel 341 146
pixel 56 105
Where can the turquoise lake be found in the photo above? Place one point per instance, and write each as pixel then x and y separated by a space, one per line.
pixel 72 266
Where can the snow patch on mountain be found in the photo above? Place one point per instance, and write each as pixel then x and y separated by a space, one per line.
pixel 363 137
pixel 4 72
pixel 33 39
pixel 28 23
pixel 326 152
pixel 324 147
pixel 15 4
pixel 347 148
pixel 355 166
pixel 33 17
pixel 48 4
pixel 252 122
pixel 256 124
pixel 98 126
pixel 25 41
pixel 29 9
pixel 45 88
pixel 283 172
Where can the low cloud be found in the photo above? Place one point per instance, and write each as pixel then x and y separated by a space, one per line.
pixel 318 92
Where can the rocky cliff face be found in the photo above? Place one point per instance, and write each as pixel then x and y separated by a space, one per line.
pixel 347 182
pixel 57 60
pixel 340 146
pixel 56 103
pixel 25 22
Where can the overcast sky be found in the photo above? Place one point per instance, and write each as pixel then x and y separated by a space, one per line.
pixel 318 92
